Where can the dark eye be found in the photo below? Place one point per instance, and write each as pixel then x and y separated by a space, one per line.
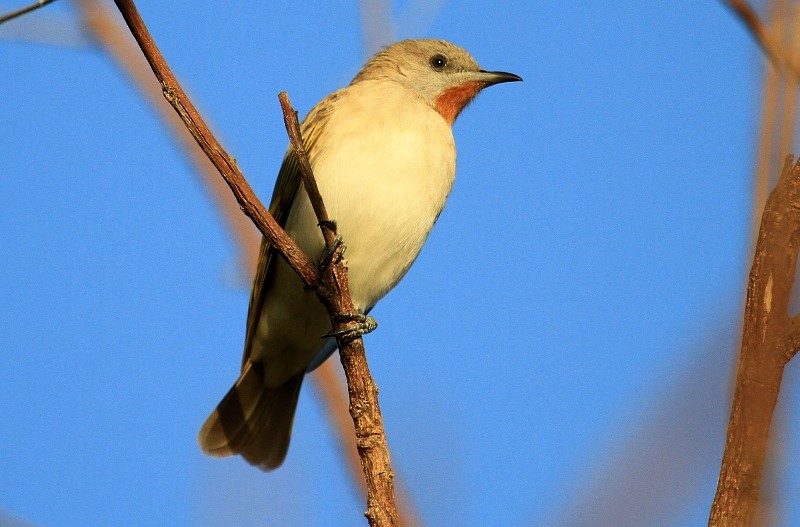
pixel 438 62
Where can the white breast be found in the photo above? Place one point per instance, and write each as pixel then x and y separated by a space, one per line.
pixel 385 166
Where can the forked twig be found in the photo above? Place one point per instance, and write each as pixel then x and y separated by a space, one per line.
pixel 331 286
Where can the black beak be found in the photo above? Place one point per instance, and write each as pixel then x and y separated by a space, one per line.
pixel 497 77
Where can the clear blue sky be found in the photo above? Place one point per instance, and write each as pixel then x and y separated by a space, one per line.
pixel 587 270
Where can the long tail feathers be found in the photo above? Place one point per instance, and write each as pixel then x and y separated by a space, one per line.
pixel 253 420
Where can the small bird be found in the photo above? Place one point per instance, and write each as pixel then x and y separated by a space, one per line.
pixel 384 159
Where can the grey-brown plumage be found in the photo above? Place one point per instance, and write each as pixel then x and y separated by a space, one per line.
pixel 384 159
pixel 253 420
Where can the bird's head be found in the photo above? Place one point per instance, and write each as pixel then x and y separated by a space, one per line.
pixel 443 74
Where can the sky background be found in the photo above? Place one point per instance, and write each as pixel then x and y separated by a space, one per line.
pixel 560 353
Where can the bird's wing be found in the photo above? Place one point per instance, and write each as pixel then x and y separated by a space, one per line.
pixel 286 187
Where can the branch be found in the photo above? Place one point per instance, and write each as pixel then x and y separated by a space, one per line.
pixel 773 49
pixel 310 184
pixel 27 9
pixel 223 162
pixel 331 392
pixel 334 293
pixel 100 22
pixel 331 286
pixel 769 340
pixel 103 27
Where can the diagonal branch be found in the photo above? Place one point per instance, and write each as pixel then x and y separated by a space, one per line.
pixel 331 285
pixel 310 184
pixel 334 293
pixel 223 162
pixel 101 24
pixel 769 340
pixel 24 10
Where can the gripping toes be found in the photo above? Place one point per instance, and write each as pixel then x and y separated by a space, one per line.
pixel 358 325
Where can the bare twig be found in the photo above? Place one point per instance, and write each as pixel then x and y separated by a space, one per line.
pixel 370 437
pixel 27 9
pixel 102 24
pixel 223 162
pixel 331 287
pixel 334 292
pixel 310 184
pixel 769 341
pixel 765 158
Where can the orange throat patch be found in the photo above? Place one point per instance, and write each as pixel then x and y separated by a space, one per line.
pixel 451 101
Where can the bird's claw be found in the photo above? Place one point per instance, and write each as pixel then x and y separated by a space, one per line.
pixel 359 325
pixel 336 249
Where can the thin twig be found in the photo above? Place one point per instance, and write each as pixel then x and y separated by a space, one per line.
pixel 331 287
pixel 101 23
pixel 27 9
pixel 117 42
pixel 769 341
pixel 223 162
pixel 331 392
pixel 334 292
pixel 310 184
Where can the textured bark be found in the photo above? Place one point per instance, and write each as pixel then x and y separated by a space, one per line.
pixel 331 284
pixel 334 293
pixel 770 339
pixel 223 162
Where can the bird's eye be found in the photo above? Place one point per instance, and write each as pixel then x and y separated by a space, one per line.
pixel 438 62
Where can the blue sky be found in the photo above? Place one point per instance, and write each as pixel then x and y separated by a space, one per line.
pixel 573 316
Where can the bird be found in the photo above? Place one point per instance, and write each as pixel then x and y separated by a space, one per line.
pixel 384 158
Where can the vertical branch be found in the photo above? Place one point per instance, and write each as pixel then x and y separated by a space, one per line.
pixel 764 38
pixel 334 293
pixel 331 393
pixel 790 42
pixel 770 339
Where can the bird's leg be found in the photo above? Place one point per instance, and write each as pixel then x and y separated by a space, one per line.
pixel 336 249
pixel 359 324
pixel 332 249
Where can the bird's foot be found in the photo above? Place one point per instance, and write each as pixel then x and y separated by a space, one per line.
pixel 336 249
pixel 359 325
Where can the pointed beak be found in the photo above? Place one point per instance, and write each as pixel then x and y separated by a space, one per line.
pixel 495 77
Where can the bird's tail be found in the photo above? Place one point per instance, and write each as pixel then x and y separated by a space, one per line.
pixel 253 420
